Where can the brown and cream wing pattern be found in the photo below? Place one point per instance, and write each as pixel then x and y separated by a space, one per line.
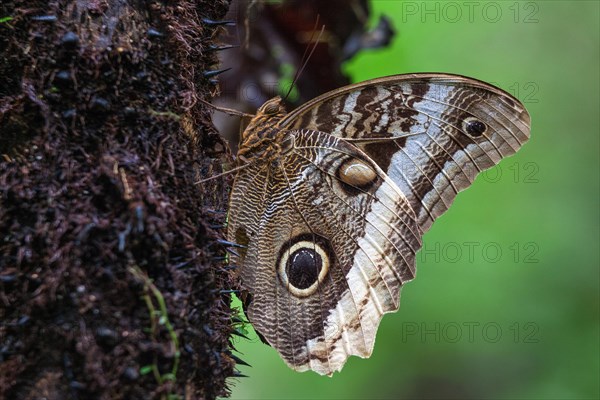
pixel 431 133
pixel 324 207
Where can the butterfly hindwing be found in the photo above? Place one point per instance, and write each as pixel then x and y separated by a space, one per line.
pixel 323 203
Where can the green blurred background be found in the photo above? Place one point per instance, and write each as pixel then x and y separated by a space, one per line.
pixel 506 300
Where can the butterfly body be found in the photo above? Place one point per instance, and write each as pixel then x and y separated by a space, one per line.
pixel 335 197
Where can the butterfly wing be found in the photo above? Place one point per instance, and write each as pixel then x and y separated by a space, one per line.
pixel 431 133
pixel 332 226
pixel 329 242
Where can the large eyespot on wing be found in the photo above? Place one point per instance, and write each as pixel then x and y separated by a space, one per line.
pixel 334 243
pixel 303 263
pixel 431 133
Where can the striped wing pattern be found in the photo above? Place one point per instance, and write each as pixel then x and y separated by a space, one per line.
pixel 332 223
pixel 417 126
pixel 372 237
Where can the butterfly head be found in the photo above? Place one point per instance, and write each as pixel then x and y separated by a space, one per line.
pixel 272 108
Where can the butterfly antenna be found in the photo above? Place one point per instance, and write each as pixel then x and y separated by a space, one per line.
pixel 305 60
pixel 241 167
pixel 226 110
pixel 310 40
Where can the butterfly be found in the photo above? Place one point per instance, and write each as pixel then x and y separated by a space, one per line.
pixel 331 200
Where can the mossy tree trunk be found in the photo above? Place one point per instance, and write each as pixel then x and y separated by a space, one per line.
pixel 107 285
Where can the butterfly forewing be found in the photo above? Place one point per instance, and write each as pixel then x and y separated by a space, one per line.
pixel 431 133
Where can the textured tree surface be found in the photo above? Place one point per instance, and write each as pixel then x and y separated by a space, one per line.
pixel 108 284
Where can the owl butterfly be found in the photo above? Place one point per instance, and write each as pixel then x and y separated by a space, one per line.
pixel 332 199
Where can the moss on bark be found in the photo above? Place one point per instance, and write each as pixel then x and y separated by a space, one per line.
pixel 108 288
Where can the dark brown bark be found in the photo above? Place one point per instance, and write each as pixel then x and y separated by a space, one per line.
pixel 102 139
